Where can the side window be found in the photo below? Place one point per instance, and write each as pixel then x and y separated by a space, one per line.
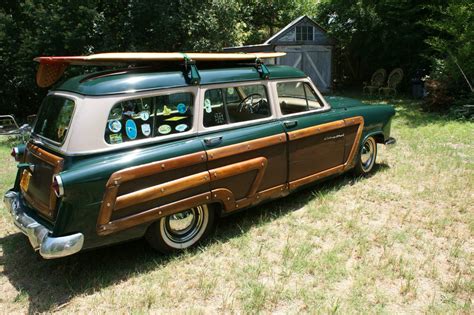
pixel 235 104
pixel 149 117
pixel 296 97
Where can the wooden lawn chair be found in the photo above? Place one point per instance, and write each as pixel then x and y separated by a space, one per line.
pixel 394 78
pixel 377 80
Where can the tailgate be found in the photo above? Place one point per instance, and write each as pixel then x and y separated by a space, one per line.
pixel 36 180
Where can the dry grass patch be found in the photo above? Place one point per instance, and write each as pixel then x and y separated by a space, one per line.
pixel 400 241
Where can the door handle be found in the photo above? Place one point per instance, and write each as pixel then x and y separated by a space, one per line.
pixel 211 142
pixel 290 123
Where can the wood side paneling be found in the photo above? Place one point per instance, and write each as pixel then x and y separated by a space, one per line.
pixel 314 130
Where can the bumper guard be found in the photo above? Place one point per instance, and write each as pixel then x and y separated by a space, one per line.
pixel 40 237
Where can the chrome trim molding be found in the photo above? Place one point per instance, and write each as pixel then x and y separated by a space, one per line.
pixel 49 247
pixel 60 186
pixel 390 141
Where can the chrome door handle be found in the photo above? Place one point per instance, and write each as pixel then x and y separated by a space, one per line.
pixel 290 123
pixel 211 142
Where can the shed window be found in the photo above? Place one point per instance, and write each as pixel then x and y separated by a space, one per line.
pixel 149 117
pixel 304 33
pixel 235 104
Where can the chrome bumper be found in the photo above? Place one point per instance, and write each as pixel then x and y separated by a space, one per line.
pixel 49 247
pixel 390 141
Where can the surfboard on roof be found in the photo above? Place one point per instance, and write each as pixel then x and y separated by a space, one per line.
pixel 51 68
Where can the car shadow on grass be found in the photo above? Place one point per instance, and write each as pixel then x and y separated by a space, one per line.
pixel 49 285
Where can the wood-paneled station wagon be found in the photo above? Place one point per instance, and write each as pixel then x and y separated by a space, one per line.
pixel 160 147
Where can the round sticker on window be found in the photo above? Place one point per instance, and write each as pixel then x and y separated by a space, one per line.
pixel 131 129
pixel 115 125
pixel 230 91
pixel 144 115
pixel 207 105
pixel 146 130
pixel 164 129
pixel 181 108
pixel 181 127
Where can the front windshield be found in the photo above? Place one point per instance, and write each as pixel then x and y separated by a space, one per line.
pixel 54 118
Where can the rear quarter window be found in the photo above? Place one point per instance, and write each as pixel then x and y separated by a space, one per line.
pixel 54 118
pixel 149 117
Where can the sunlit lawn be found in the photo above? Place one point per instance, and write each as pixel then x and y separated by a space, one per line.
pixel 398 241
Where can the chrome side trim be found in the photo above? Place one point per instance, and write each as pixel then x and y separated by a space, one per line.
pixel 49 247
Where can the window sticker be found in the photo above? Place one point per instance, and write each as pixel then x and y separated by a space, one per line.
pixel 230 91
pixel 144 115
pixel 207 105
pixel 146 130
pixel 219 118
pixel 115 138
pixel 116 113
pixel 164 129
pixel 182 108
pixel 129 113
pixel 115 125
pixel 166 111
pixel 176 118
pixel 181 127
pixel 131 129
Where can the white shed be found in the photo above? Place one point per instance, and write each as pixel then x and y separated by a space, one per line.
pixel 307 46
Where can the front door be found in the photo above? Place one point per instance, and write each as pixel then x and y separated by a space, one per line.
pixel 316 141
pixel 246 151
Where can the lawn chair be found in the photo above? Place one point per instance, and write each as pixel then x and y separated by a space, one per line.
pixel 394 78
pixel 8 125
pixel 377 80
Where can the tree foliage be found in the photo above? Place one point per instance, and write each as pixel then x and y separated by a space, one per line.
pixel 370 33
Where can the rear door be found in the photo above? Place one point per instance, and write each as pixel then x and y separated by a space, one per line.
pixel 316 137
pixel 245 145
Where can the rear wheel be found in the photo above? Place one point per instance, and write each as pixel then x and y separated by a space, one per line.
pixel 367 157
pixel 181 230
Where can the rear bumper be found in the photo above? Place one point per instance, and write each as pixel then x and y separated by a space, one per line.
pixel 40 237
pixel 390 141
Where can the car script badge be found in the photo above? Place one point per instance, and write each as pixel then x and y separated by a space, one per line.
pixel 115 126
pixel 131 129
pixel 164 129
pixel 146 130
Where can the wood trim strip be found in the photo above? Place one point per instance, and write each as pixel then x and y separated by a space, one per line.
pixel 315 130
pixel 158 191
pixel 153 168
pixel 252 145
pixel 152 214
pixel 225 197
pixel 350 122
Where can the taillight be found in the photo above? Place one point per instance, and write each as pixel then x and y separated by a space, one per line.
pixel 16 154
pixel 57 186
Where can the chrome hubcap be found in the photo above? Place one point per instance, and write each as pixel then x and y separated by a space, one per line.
pixel 183 226
pixel 367 155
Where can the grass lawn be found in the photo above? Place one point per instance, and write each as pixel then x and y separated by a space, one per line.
pixel 398 241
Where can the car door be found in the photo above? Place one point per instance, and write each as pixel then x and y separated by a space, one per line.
pixel 245 145
pixel 316 136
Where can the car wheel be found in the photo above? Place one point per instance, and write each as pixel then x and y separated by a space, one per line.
pixel 181 230
pixel 367 157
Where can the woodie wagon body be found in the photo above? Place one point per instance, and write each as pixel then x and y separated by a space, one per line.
pixel 122 154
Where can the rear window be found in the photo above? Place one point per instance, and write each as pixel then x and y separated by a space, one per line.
pixel 54 118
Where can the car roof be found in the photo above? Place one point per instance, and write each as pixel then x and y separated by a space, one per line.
pixel 146 79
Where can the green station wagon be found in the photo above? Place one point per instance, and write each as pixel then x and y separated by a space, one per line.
pixel 159 152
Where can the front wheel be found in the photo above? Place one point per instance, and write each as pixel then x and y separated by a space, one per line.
pixel 366 158
pixel 181 230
